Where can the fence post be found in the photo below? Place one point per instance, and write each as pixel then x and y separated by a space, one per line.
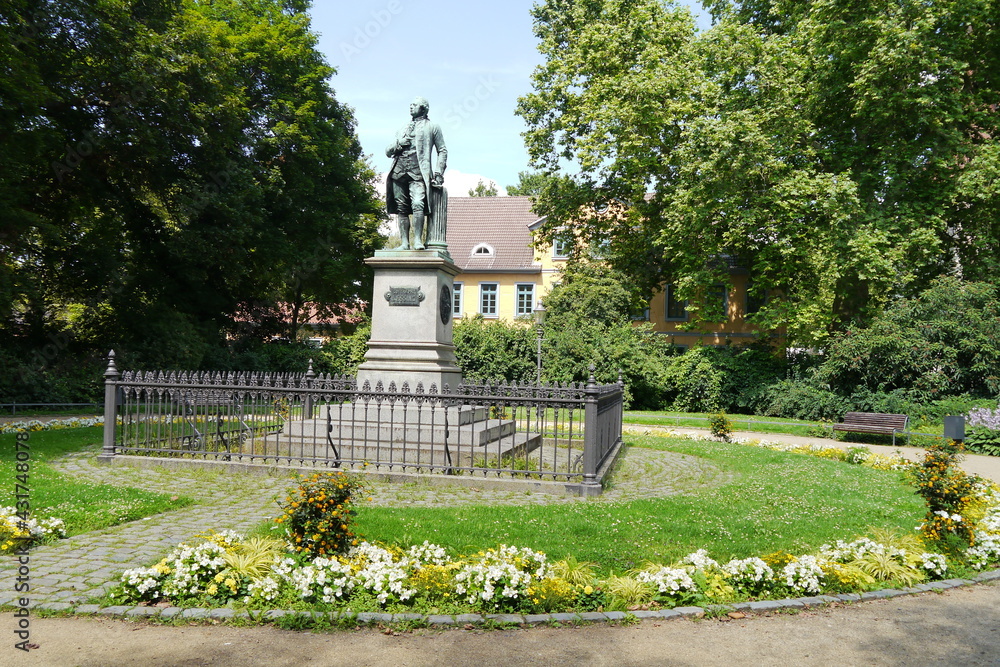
pixel 307 410
pixel 110 408
pixel 591 437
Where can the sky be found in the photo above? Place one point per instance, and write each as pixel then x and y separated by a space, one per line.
pixel 471 60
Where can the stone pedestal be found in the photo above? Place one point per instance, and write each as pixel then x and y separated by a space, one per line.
pixel 411 337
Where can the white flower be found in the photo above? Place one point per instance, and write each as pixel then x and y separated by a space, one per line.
pixel 701 560
pixel 803 574
pixel 668 580
pixel 750 574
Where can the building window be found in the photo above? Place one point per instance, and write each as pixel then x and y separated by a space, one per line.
pixel 640 315
pixel 676 309
pixel 482 250
pixel 525 299
pixel 756 299
pixel 488 299
pixel 560 248
pixel 456 299
pixel 600 249
pixel 717 302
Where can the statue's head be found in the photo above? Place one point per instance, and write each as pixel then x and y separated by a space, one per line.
pixel 419 107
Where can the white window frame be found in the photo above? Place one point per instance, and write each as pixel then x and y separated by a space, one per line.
pixel 457 296
pixel 485 247
pixel 560 248
pixel 517 299
pixel 483 291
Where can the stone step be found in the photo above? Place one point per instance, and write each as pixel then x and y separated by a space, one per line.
pixel 396 413
pixel 409 453
pixel 405 433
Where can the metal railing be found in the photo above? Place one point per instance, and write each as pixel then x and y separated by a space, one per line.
pixel 568 433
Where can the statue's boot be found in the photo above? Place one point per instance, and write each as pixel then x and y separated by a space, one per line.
pixel 418 231
pixel 403 222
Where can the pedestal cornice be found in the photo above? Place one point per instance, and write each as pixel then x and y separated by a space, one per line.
pixel 413 259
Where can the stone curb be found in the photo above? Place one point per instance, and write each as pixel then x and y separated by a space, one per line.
pixel 440 620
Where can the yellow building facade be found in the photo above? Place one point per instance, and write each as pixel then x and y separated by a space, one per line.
pixel 504 277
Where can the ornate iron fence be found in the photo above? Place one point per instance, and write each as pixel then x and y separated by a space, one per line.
pixel 567 433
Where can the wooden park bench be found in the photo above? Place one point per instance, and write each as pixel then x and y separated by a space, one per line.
pixel 872 422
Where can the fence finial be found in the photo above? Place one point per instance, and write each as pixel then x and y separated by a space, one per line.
pixel 592 381
pixel 620 380
pixel 310 373
pixel 112 370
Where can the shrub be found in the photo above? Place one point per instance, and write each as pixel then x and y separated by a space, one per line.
pixel 800 399
pixel 319 513
pixel 982 440
pixel 721 427
pixel 747 372
pixel 589 322
pixel 941 343
pixel 693 382
pixel 495 350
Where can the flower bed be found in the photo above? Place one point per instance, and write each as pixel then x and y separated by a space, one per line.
pixel 425 578
pixel 512 579
pixel 35 425
pixel 16 533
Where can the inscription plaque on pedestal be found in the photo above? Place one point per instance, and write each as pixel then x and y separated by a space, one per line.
pixel 404 296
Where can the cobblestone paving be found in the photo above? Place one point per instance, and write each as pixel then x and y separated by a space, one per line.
pixel 84 566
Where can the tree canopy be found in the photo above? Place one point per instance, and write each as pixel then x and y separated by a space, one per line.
pixel 483 189
pixel 529 184
pixel 174 170
pixel 844 153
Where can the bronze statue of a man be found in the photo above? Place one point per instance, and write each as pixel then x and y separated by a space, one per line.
pixel 411 178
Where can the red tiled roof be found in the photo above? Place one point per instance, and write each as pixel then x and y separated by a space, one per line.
pixel 310 313
pixel 501 223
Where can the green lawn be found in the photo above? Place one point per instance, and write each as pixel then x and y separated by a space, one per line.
pixel 777 501
pixel 81 505
pixel 759 424
pixel 740 422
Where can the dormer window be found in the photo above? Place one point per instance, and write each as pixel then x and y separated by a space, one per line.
pixel 482 250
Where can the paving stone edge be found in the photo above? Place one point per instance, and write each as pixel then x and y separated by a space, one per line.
pixel 365 618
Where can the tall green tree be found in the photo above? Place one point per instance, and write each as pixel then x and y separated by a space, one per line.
pixel 845 153
pixel 529 184
pixel 174 163
pixel 483 189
